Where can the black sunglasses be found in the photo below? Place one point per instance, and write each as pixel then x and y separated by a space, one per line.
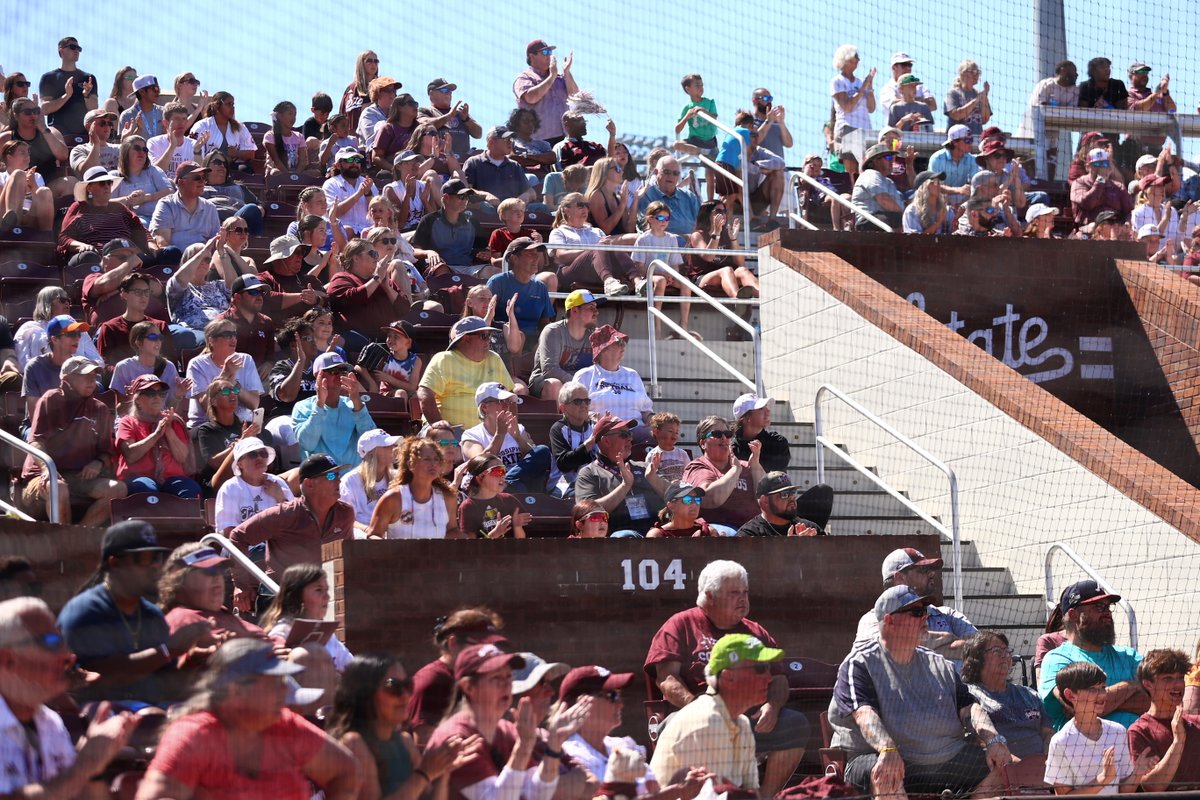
pixel 398 686
pixel 719 435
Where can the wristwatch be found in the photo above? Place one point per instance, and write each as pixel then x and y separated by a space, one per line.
pixel 997 739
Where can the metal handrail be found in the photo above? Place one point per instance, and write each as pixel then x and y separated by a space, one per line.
pixel 242 559
pixel 652 313
pixel 51 472
pixel 868 216
pixel 745 179
pixel 823 442
pixel 1052 596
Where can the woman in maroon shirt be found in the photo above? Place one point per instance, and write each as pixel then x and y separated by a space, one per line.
pixel 365 296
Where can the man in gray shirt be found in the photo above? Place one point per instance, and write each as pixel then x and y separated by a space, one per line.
pixel 563 347
pixel 911 709
pixel 185 218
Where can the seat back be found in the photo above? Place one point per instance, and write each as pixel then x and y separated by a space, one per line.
pixel 551 515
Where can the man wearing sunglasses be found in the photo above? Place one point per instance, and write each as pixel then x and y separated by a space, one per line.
pixel 682 202
pixel 68 92
pixel 788 512
pixel 37 756
pixel 630 492
pixel 947 630
pixel 96 151
pixel 291 290
pixel 913 711
pixel 446 115
pixel 294 531
pixel 348 192
pixel 542 88
pixel 713 731
pixel 255 330
pixel 114 627
pixel 333 419
pixel 956 162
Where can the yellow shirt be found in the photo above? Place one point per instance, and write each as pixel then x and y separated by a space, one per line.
pixel 453 379
pixel 702 734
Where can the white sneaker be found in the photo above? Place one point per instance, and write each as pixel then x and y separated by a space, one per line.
pixel 639 287
pixel 614 288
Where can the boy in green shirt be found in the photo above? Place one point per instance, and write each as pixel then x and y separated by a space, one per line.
pixel 702 134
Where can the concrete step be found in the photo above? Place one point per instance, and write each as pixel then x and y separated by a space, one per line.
pixel 682 361
pixel 874 525
pixel 1009 609
pixel 842 479
pixel 868 504
pixel 987 581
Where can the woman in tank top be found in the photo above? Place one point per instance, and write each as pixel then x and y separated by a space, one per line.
pixel 420 504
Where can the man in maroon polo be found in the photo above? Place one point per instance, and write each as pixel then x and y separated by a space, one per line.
pixel 255 330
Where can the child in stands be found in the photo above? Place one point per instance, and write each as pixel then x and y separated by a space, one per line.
pixel 402 372
pixel 702 134
pixel 488 512
pixel 658 217
pixel 512 214
pixel 1090 755
pixel 664 427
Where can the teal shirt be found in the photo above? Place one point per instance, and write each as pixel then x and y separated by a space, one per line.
pixel 320 429
pixel 697 127
pixel 1119 664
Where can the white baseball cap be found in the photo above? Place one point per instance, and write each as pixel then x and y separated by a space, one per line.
pixel 901 58
pixel 749 402
pixel 376 437
pixel 493 391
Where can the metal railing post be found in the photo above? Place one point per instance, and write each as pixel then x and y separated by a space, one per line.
pixel 47 462
pixel 704 115
pixel 242 559
pixel 955 531
pixel 651 339
pixel 1090 571
pixel 837 198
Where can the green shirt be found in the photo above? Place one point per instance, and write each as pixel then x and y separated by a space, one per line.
pixel 698 128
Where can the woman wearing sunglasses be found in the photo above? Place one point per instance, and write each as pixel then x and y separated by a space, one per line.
pixel 230 198
pixel 153 446
pixel 616 272
pixel 146 339
pixel 420 503
pixel 216 438
pixel 251 488
pixel 121 95
pixel 188 95
pixel 680 517
pixel 16 85
pixel 46 146
pixel 362 486
pixel 728 483
pixel 357 95
pixel 220 359
pixel 142 184
pixel 369 716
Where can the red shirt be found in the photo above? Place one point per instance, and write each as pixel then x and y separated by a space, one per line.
pixel 739 508
pixel 363 308
pixel 501 238
pixel 195 751
pixel 433 686
pixel 688 637
pixel 483 765
pixel 256 338
pixel 1155 734
pixel 132 429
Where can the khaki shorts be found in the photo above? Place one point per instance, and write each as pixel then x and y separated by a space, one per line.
pixel 32 494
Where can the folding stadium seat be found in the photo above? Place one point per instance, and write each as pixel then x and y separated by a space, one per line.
pixel 551 515
pixel 175 519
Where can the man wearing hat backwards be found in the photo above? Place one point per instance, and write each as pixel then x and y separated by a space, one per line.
pixel 713 731
pixel 948 630
pixel 145 117
pixel 447 389
pixel 76 430
pixel 238 739
pixel 1088 624
pixel 96 151
pixel 116 630
pixel 563 347
pixel 913 711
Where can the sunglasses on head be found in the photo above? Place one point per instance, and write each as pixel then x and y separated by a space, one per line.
pixel 227 391
pixel 398 686
pixel 719 435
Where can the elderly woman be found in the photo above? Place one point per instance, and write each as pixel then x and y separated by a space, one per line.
pixel 192 299
pixel 230 198
pixel 420 503
pixel 964 104
pixel 874 192
pixel 1015 710
pixel 853 98
pixel 369 715
pixel 192 590
pixel 152 443
pixel 251 489
pixel 220 359
pixel 31 339
pixel 94 220
pixel 929 213
pixel 484 675
pixel 46 146
pixel 728 482
pixel 616 389
pixel 362 486
pixel 236 738
pixel 368 293
pixel 142 184
pixel 24 198
pixel 616 272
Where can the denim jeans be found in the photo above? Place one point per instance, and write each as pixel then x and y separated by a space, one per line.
pixel 180 486
pixel 530 473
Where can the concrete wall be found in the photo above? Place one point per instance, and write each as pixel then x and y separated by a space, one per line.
pixel 1031 470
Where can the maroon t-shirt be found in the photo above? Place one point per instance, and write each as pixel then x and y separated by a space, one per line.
pixel 1153 733
pixel 433 686
pixel 112 340
pixel 255 338
pixel 484 764
pixel 739 508
pixel 688 637
pixel 478 517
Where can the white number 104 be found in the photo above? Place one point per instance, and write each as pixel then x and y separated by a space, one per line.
pixel 648 576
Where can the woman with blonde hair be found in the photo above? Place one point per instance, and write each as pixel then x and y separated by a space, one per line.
pixel 121 95
pixel 607 196
pixel 365 484
pixel 357 95
pixel 928 213
pixel 614 271
pixel 420 503
pixel 964 104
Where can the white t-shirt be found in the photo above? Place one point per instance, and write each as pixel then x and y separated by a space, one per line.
pixel 202 371
pixel 353 491
pixel 565 234
pixel 510 451
pixel 239 140
pixel 859 117
pixel 160 144
pixel 337 189
pixel 596 762
pixel 621 392
pixel 670 468
pixel 668 244
pixel 1144 215
pixel 428 520
pixel 1074 759
pixel 238 501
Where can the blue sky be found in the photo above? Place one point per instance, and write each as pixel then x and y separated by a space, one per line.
pixel 270 51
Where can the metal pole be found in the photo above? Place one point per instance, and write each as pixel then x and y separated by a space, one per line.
pixel 651 340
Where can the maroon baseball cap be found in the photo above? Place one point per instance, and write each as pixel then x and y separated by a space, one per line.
pixel 480 659
pixel 538 44
pixel 591 679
